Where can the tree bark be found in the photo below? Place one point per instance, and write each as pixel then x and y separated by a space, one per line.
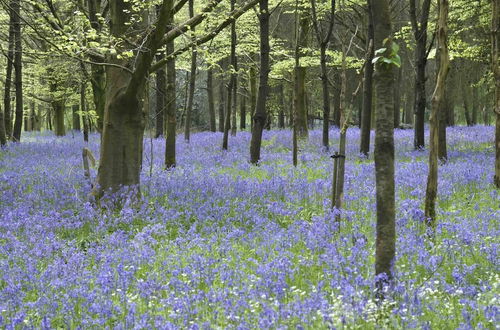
pixel 161 97
pixel 366 114
pixel 300 80
pixel 211 104
pixel 8 75
pixel 495 45
pixel 232 84
pixel 3 138
pixel 397 98
pixel 18 65
pixel 437 100
pixel 243 108
pixel 98 79
pixel 85 117
pixel 171 102
pixel 60 128
pixel 75 117
pixel 192 81
pixel 281 113
pixel 259 118
pixel 324 41
pixel 221 99
pixel 384 147
pixel 420 34
pixel 253 93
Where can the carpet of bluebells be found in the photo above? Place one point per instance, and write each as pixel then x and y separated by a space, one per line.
pixel 218 243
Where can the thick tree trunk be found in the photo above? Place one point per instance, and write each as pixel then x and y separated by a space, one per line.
pixel 192 81
pixel 211 104
pixel 259 118
pixel 437 100
pixel 8 77
pixel 384 147
pixel 366 113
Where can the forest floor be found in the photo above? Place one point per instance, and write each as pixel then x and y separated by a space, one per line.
pixel 218 243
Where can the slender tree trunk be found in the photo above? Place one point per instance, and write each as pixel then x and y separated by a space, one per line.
pixel 495 45
pixel 58 106
pixel 326 97
pixel 366 113
pixel 253 93
pixel 76 117
pixel 3 138
pixel 437 100
pixel 161 97
pixel 85 117
pixel 259 118
pixel 171 104
pixel 18 65
pixel 234 108
pixel 232 83
pixel 420 34
pixel 281 113
pixel 192 81
pixel 211 104
pixel 221 102
pixel 384 147
pixel 397 99
pixel 300 72
pixel 243 108
pixel 8 76
pixel 465 99
pixel 475 105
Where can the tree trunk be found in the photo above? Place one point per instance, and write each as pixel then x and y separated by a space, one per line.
pixel 420 34
pixel 58 106
pixel 300 81
pixel 98 81
pixel 232 84
pixel 475 105
pixel 234 127
pixel 161 97
pixel 85 117
pixel 281 113
pixel 221 98
pixel 253 93
pixel 243 109
pixel 3 138
pixel 437 100
pixel 8 76
pixel 76 117
pixel 443 124
pixel 192 81
pixel 397 99
pixel 366 114
pixel 495 45
pixel 18 65
pixel 211 104
pixel 384 147
pixel 259 118
pixel 171 104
